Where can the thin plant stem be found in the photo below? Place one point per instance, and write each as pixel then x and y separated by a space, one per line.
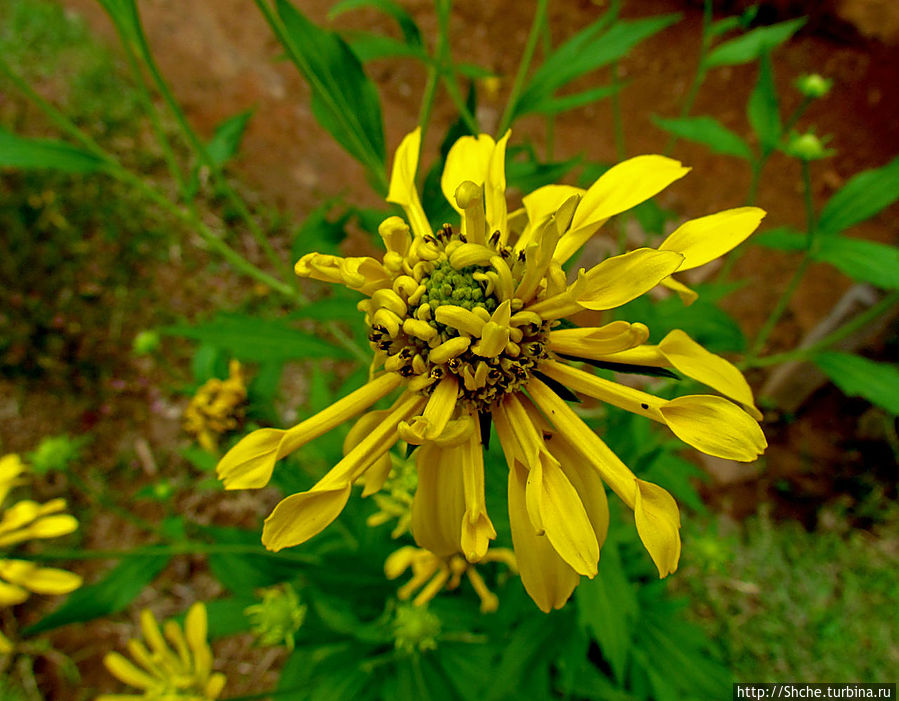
pixel 427 103
pixel 550 118
pixel 446 68
pixel 844 331
pixel 523 67
pixel 200 149
pixel 699 76
pixel 790 289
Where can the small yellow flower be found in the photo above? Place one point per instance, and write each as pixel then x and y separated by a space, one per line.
pixel 180 670
pixel 216 408
pixel 28 520
pixel 431 574
pixel 394 501
pixel 469 324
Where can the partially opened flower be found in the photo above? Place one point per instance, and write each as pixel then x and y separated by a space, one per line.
pixel 24 521
pixel 468 324
pixel 217 407
pixel 171 665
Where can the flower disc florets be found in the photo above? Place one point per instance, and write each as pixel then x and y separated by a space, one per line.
pixel 458 320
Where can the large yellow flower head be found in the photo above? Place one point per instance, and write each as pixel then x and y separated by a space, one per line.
pixel 24 521
pixel 468 323
pixel 172 665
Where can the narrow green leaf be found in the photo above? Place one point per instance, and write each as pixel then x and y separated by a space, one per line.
pixel 344 100
pixel 124 14
pixel 867 261
pixel 256 339
pixel 410 30
pixel 525 172
pixel 708 132
pixel 242 573
pixel 753 44
pixel 554 105
pixel 783 238
pixel 108 596
pixel 861 198
pixel 606 608
pixel 370 47
pixel 860 377
pixel 225 143
pixel 762 109
pixel 589 49
pixel 25 152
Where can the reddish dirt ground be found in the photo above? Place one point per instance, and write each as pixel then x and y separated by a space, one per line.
pixel 220 58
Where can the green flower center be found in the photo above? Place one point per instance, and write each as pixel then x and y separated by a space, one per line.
pixel 446 285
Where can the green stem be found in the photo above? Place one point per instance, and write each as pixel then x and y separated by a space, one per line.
pixel 617 120
pixel 787 294
pixel 835 336
pixel 427 104
pixel 523 67
pixel 200 149
pixel 550 118
pixel 700 74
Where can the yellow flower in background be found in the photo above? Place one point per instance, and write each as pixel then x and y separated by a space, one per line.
pixel 24 521
pixel 172 665
pixel 394 500
pixel 216 408
pixel 431 574
pixel 470 325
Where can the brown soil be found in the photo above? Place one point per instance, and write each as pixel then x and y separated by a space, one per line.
pixel 220 58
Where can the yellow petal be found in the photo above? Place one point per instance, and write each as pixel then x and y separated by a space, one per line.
pixel 546 577
pixel 586 482
pixel 195 629
pixel 477 529
pixel 377 474
pixel 53 526
pixel 11 468
pixel 540 205
pixel 694 361
pixel 402 183
pixel 592 342
pixel 399 561
pixel 126 672
pixel 620 279
pixel 48 580
pixel 436 416
pixel 704 239
pixel 468 159
pixel 215 685
pixel 658 521
pixel 621 187
pixel 687 295
pixel 439 503
pixel 715 426
pixel 299 517
pixel 495 188
pixel 250 463
pixel 10 595
pixel 6 645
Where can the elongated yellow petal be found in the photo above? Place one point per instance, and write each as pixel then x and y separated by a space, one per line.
pixel 6 645
pixel 495 189
pixel 707 238
pixel 437 414
pixel 52 526
pixel 468 159
pixel 586 482
pixel 195 630
pixel 376 475
pixel 11 469
pixel 546 577
pixel 540 205
pixel 592 342
pixel 477 529
pixel 687 295
pixel 399 561
pixel 690 358
pixel 402 190
pixel 48 580
pixel 126 672
pixel 620 279
pixel 658 524
pixel 439 503
pixel 460 318
pixel 10 594
pixel 301 516
pixel 618 189
pixel 250 463
pixel 715 426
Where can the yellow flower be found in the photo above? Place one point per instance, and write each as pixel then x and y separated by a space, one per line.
pixel 216 408
pixel 431 573
pixel 28 520
pixel 469 324
pixel 180 670
pixel 394 501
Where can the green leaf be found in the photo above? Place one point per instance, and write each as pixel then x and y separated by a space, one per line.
pixel 762 109
pixel 370 47
pixel 860 377
pixel 242 573
pixel 225 143
pixel 25 152
pixel 867 261
pixel 707 131
pixel 783 238
pixel 124 14
pixel 554 105
pixel 259 340
pixel 108 596
pixel 410 30
pixel 319 233
pixel 586 51
pixel 226 616
pixel 753 44
pixel 861 198
pixel 606 608
pixel 344 100
pixel 525 172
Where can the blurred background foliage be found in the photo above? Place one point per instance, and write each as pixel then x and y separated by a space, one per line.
pixel 118 305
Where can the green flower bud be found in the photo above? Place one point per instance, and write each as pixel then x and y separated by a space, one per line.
pixel 415 629
pixel 145 342
pixel 808 147
pixel 813 85
pixel 277 618
pixel 55 453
